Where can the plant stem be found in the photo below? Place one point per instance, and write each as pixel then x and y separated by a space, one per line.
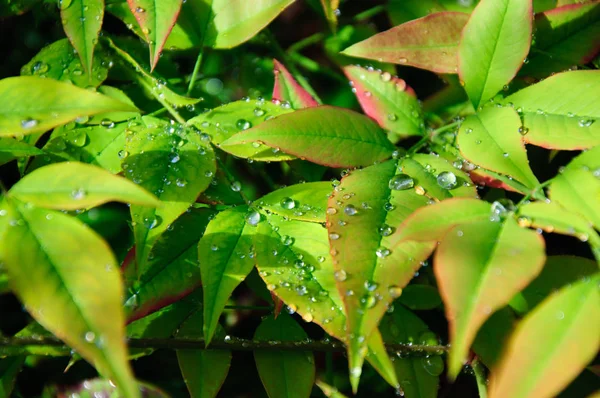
pixel 423 141
pixel 13 346
pixel 195 72
pixel 306 42
pixel 534 193
pixel 480 377
pixel 371 12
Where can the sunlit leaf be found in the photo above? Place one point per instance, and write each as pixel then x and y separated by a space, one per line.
pixel 284 373
pixel 577 188
pixel 156 18
pixel 105 119
pixel 479 267
pixel 78 302
pixel 82 20
pixel 226 254
pixel 564 37
pixel 74 185
pixel 204 371
pixel 567 118
pixel 330 8
pixel 11 149
pixel 55 103
pixel 388 100
pixel 286 88
pixel 491 139
pixel 493 46
pixel 310 133
pixel 306 202
pixel 329 391
pixel 428 43
pixel 567 322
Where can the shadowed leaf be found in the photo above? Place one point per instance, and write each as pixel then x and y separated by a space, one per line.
pixel 287 88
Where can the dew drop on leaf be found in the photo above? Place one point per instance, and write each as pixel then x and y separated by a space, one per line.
pixel 585 122
pixel 243 124
pixel 29 123
pixel 350 210
pixel 395 291
pixel 446 180
pixel 434 365
pixel 400 182
pixel 523 130
pixel 371 286
pixel 287 240
pixel 78 194
pixel 340 275
pixel 236 186
pixel 122 154
pixel 382 252
pixel 334 236
pixel 287 203
pixel 253 218
pixel 386 230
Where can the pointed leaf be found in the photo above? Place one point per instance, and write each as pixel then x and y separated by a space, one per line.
pixel 82 20
pixel 9 370
pixel 106 388
pixel 492 336
pixel 311 133
pixel 176 167
pixel 371 265
pixel 479 267
pixel 305 202
pixel 59 61
pixel 74 185
pixel 431 223
pixel 388 100
pixel 567 118
pixel 156 18
pixel 203 371
pixel 428 43
pixel 330 8
pixel 284 374
pixel 567 322
pixel 56 103
pixel 565 36
pixel 11 149
pixel 493 46
pixel 491 139
pixel 577 188
pixel 329 391
pixel 38 250
pixel 226 255
pixel 287 88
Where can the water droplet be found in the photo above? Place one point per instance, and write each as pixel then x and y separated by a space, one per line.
pixel 447 180
pixel 174 158
pixel 524 221
pixel 122 154
pixel 386 76
pixel 29 123
pixel 180 183
pixel 78 139
pixel 369 301
pixel 386 230
pixel 350 210
pixel 434 365
pixel 340 275
pixel 140 10
pixel 585 122
pixel 287 203
pixel 371 286
pixel 402 60
pixel 400 182
pixel 236 186
pixel 382 252
pixel 301 290
pixel 39 68
pixel 243 124
pixel 287 240
pixel 419 190
pixel 392 117
pixel 501 208
pixel 78 194
pixel 395 291
pixel 90 337
pixel 109 124
pixel 64 4
pixel 388 206
pixel 258 112
pixel 523 130
pixel 334 236
pixel 253 218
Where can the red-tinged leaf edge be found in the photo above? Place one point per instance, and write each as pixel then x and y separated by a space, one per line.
pixel 152 306
pixel 278 305
pixel 481 179
pixel 284 81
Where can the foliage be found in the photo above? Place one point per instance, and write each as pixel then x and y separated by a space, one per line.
pixel 167 183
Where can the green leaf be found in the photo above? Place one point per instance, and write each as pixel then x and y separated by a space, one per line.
pixel 329 391
pixel 223 122
pixel 567 322
pixel 82 20
pixel 59 61
pixel 558 271
pixel 564 37
pixel 74 185
pixel 479 267
pixel 492 336
pixel 176 165
pixel 565 119
pixel 401 11
pixel 105 388
pixel 156 19
pixel 493 46
pixel 420 297
pixel 286 88
pixel 388 100
pixel 372 265
pixel 491 139
pixel 577 188
pixel 419 377
pixel 330 7
pixel 428 43
pixel 172 271
pixel 204 371
pixel 284 373
pixel 9 370
pixel 431 223
pixel 16 7
pixel 310 133
pixel 38 249
pixel 226 255
pixel 105 118
pixel 11 149
pixel 55 103
pixel 305 202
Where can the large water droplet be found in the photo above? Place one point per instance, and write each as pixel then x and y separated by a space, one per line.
pixel 29 123
pixel 39 68
pixel 236 186
pixel 383 252
pixel 501 208
pixel 446 180
pixel 586 122
pixel 253 218
pixel 287 240
pixel 288 203
pixel 434 365
pixel 400 182
pixel 350 210
pixel 78 194
pixel 243 124
pixel 340 275
pixel 395 291
pixel 386 230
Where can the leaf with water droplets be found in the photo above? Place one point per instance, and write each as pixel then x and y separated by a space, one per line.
pixel 479 267
pixel 109 119
pixel 419 376
pixel 328 390
pixel 156 19
pixel 371 266
pixel 388 100
pixel 74 185
pixel 82 21
pixel 568 323
pixel 11 149
pixel 567 119
pixel 428 43
pixel 491 139
pixel 306 202
pixel 105 388
pixel 310 134
pixel 203 371
pixel 55 103
pixel 284 373
pixel 172 162
pixel 577 188
pixel 226 254
pixel 564 36
pixel 39 249
pixel 331 11
pixel 493 46
pixel 286 88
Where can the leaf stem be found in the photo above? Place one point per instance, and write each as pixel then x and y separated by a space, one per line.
pixel 534 193
pixel 306 42
pixel 195 72
pixel 480 377
pixel 371 12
